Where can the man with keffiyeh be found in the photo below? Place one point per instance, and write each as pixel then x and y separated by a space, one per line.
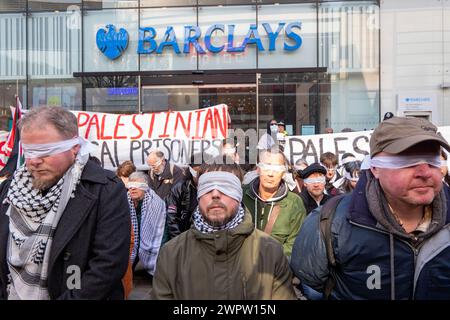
pixel 64 221
pixel 148 218
pixel 222 256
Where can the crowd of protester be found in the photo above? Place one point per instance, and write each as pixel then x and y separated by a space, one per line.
pixel 215 228
pixel 276 194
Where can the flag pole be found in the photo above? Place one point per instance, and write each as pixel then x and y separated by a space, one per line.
pixel 19 147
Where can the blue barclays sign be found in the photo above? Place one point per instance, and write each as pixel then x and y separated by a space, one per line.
pixel 422 99
pixel 131 91
pixel 113 43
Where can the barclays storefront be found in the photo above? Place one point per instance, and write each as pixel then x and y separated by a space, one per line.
pixel 312 64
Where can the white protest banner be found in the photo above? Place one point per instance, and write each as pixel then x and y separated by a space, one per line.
pixel 178 134
pixel 312 147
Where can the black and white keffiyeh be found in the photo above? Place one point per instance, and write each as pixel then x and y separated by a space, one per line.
pixel 33 218
pixel 149 231
pixel 134 220
pixel 30 202
pixel 201 225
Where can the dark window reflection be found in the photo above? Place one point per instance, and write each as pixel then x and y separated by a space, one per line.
pixel 60 5
pixel 117 94
pixel 10 6
pixel 167 3
pixel 297 99
pixel 110 4
pixel 64 93
pixel 8 91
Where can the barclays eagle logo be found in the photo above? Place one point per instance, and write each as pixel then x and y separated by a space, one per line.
pixel 112 43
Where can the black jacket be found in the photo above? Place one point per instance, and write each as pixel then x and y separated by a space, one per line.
pixel 309 202
pixel 93 234
pixel 169 177
pixel 181 203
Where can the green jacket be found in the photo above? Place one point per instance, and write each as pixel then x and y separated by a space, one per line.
pixel 240 263
pixel 291 213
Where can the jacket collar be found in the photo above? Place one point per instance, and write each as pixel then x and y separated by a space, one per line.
pixel 447 198
pixel 281 193
pixel 359 209
pixel 226 241
pixel 166 172
pixel 310 198
pixel 77 209
pixel 93 173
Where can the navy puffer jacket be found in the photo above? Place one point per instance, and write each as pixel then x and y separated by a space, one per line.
pixel 368 257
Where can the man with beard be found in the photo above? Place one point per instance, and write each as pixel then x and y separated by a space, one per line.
pixel 64 221
pixel 222 256
pixel 389 238
pixel 163 174
pixel 313 195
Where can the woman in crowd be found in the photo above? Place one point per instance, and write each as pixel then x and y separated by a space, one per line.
pixel 124 170
pixel 351 173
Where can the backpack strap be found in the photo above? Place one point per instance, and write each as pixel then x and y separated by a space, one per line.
pixel 273 217
pixel 326 219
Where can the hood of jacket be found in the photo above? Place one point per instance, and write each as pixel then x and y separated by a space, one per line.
pixel 281 193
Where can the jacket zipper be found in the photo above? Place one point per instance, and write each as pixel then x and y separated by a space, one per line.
pixel 414 250
pixel 244 286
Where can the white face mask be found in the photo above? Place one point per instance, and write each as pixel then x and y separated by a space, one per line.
pixel 274 128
